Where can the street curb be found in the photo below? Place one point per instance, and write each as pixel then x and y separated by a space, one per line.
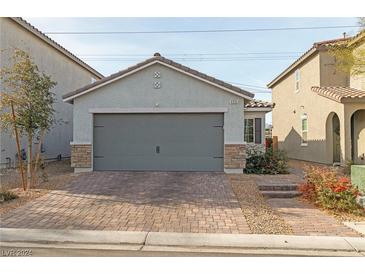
pixel 72 249
pixel 256 241
pixel 72 236
pixel 150 240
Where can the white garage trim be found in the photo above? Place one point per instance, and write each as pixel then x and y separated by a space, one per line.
pixel 158 110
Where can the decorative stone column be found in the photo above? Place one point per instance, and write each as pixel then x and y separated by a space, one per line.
pixel 234 158
pixel 81 156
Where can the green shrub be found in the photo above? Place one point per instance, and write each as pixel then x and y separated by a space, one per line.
pixel 267 163
pixel 7 195
pixel 325 188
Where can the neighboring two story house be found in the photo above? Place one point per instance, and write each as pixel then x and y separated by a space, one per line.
pixel 65 68
pixel 319 112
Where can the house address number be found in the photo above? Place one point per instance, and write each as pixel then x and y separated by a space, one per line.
pixel 233 102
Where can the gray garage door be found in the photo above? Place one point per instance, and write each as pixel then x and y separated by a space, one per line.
pixel 174 142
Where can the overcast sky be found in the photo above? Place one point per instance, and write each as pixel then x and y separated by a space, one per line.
pixel 258 56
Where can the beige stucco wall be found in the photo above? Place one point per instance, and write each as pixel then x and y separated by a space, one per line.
pixel 358 110
pixel 330 74
pixel 358 81
pixel 291 105
pixel 359 137
pixel 68 75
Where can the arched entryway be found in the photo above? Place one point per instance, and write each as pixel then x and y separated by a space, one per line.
pixel 358 137
pixel 333 138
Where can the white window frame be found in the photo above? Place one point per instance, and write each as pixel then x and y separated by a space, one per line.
pixel 253 130
pixel 296 80
pixel 304 117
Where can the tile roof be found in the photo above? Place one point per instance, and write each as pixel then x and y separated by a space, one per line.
pixel 55 45
pixel 331 42
pixel 339 94
pixel 163 60
pixel 259 104
pixel 314 49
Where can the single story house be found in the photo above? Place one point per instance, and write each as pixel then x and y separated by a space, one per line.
pixel 160 115
pixel 319 113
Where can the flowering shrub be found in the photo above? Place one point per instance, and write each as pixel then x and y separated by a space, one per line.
pixel 325 188
pixel 268 162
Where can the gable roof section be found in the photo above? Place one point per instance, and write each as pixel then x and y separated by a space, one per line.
pixel 311 52
pixel 157 58
pixel 340 94
pixel 55 45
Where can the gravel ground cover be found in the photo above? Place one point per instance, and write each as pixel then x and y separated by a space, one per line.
pixel 261 218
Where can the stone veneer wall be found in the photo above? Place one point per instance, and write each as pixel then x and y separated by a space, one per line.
pixel 234 156
pixel 81 155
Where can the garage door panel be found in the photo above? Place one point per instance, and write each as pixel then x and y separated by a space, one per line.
pixel 161 164
pixel 158 142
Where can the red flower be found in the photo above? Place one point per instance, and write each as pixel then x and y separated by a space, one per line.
pixel 340 189
pixel 344 180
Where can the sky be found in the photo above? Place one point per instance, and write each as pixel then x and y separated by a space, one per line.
pixel 249 59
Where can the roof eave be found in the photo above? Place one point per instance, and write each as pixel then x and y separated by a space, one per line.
pixel 71 97
pixel 55 45
pixel 350 100
pixel 259 109
pixel 357 39
pixel 296 63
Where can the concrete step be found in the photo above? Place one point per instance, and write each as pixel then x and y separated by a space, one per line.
pixel 281 194
pixel 278 187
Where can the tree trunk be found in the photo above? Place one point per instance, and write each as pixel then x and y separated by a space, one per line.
pixel 37 158
pixel 29 160
pixel 20 159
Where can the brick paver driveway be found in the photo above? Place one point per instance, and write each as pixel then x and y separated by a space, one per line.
pixel 136 201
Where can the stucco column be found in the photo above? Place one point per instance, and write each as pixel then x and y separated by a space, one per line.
pixel 346 138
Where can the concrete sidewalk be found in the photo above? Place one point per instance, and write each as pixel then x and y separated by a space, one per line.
pixel 124 243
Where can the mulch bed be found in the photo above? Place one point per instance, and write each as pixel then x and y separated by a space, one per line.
pixel 261 218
